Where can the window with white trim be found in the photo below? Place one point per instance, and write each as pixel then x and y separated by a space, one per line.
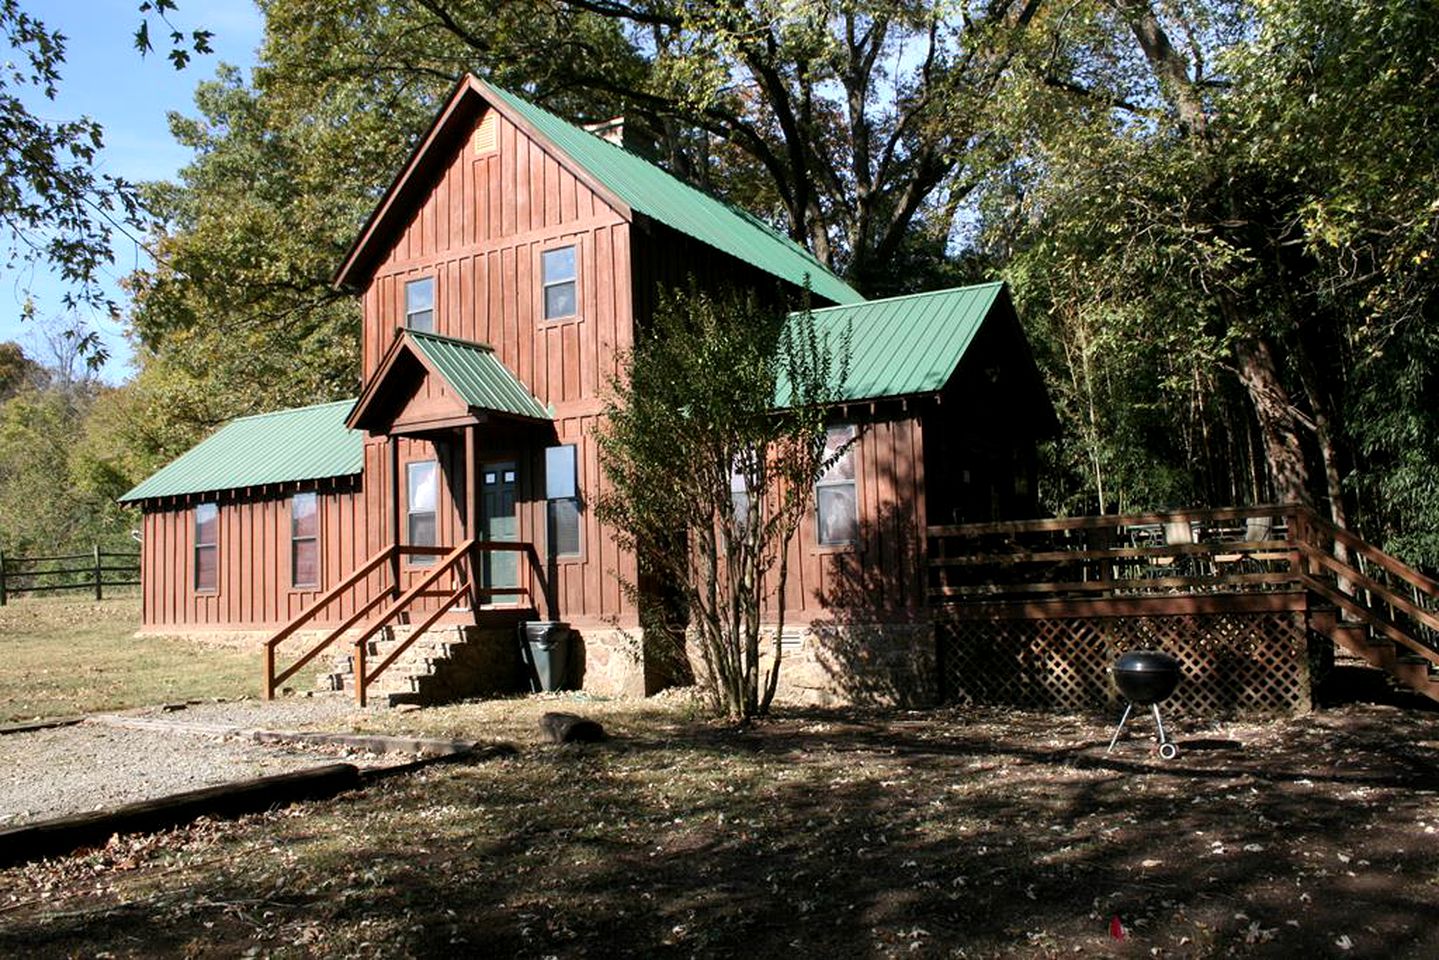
pixel 563 501
pixel 835 498
pixel 420 305
pixel 561 292
pixel 305 540
pixel 422 479
pixel 207 547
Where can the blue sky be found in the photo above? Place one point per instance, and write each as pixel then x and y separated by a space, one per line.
pixel 105 78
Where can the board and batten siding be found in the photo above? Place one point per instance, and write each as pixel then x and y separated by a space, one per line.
pixel 253 588
pixel 880 577
pixel 479 235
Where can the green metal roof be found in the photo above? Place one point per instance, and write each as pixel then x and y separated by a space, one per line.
pixel 905 345
pixel 664 198
pixel 477 375
pixel 305 443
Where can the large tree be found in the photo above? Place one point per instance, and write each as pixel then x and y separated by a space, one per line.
pixel 1182 181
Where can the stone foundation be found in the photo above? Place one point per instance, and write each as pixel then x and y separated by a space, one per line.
pixel 856 664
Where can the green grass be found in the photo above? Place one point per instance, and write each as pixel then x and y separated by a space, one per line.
pixel 61 657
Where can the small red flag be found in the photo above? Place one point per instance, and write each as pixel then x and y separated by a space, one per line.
pixel 1116 929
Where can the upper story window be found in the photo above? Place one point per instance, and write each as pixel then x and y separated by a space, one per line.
pixel 420 305
pixel 207 547
pixel 304 540
pixel 559 282
pixel 421 488
pixel 835 501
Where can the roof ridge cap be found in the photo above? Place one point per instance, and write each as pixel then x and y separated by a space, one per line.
pixel 283 410
pixel 907 296
pixel 440 336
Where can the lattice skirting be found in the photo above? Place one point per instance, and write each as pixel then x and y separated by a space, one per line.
pixel 1233 663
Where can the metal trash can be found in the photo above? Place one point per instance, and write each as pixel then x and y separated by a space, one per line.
pixel 547 649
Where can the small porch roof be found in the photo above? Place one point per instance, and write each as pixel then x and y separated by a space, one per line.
pixel 470 372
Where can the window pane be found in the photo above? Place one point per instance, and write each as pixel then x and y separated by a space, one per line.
pixel 422 477
pixel 206 568
pixel 565 527
pixel 836 507
pixel 836 437
pixel 305 562
pixel 420 295
pixel 206 523
pixel 559 264
pixel 304 515
pixel 420 305
pixel 560 472
pixel 560 300
pixel 422 531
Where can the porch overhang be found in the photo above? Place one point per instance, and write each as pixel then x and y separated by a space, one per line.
pixel 426 382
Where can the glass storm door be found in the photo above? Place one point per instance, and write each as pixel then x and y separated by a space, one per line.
pixel 497 502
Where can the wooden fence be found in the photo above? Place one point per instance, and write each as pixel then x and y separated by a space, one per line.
pixel 95 570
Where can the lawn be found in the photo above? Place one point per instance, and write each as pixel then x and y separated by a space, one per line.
pixel 61 657
pixel 946 833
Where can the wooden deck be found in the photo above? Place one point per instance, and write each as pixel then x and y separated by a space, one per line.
pixel 1249 598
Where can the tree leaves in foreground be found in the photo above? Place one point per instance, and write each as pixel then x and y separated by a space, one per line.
pixel 709 481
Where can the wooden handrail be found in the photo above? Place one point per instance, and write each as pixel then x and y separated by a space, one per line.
pixel 308 614
pixel 1056 524
pixel 400 603
pixel 458 594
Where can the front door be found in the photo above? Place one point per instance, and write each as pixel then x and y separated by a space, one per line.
pixel 497 504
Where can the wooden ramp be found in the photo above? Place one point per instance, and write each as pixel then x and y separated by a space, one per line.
pixel 1033 612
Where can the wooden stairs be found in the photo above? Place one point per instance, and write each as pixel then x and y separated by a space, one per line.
pixel 1372 605
pixel 447 663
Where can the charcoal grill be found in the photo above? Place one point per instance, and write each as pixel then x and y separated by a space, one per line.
pixel 1146 678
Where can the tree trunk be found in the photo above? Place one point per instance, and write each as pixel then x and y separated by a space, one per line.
pixel 1278 426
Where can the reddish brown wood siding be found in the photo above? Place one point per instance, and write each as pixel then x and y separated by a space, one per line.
pixel 880 577
pixel 253 588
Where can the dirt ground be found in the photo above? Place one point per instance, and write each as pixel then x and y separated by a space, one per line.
pixel 946 833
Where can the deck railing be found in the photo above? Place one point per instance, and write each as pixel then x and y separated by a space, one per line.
pixel 1234 550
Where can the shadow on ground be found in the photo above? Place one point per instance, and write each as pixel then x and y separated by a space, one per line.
pixel 822 834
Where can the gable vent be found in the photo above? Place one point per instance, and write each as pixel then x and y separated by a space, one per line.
pixel 487 134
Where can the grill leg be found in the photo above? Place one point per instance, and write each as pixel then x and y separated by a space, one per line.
pixel 1120 729
pixel 1167 750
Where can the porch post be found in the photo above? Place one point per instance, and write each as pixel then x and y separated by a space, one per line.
pixel 472 511
pixel 392 449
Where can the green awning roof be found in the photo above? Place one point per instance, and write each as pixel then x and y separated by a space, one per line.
pixel 474 372
pixel 668 200
pixel 287 446
pixel 905 345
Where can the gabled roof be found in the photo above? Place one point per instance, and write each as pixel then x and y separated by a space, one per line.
pixel 906 345
pixel 630 183
pixel 471 371
pixel 306 443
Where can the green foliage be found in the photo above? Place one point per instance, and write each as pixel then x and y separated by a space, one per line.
pixel 693 419
pixel 61 470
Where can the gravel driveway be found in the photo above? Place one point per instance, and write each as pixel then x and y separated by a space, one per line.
pixel 144 754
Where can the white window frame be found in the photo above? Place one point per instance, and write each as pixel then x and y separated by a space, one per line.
pixel 411 513
pixel 212 545
pixel 410 314
pixel 546 283
pixel 827 482
pixel 313 538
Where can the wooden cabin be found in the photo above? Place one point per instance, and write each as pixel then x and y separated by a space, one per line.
pixel 502 276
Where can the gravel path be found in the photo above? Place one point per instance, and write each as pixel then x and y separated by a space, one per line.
pixel 76 769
